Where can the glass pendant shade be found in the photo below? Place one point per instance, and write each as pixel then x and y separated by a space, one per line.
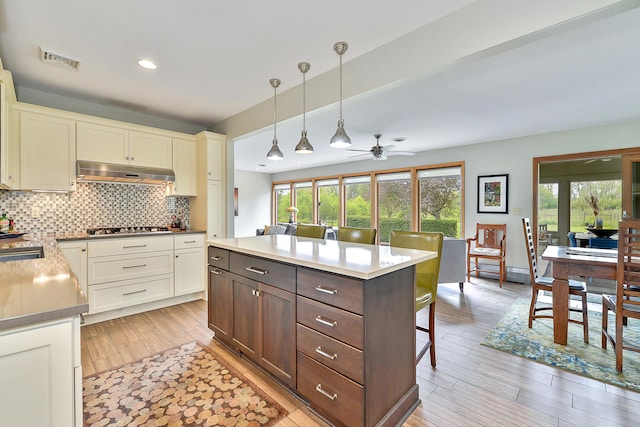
pixel 304 146
pixel 340 139
pixel 274 153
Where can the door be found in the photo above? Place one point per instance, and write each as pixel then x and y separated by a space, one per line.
pixel 631 186
pixel 215 209
pixel 188 268
pixel 246 316
pixel 278 329
pixel 220 304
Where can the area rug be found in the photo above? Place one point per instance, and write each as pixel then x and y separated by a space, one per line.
pixel 513 335
pixel 184 386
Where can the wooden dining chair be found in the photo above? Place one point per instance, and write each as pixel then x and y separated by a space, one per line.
pixel 357 235
pixel 546 284
pixel 489 243
pixel 426 279
pixel 626 302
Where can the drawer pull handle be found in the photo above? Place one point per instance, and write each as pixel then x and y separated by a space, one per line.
pixel 134 246
pixel 325 354
pixel 189 241
pixel 324 393
pixel 216 258
pixel 331 323
pixel 134 292
pixel 326 291
pixel 216 272
pixel 124 267
pixel 256 270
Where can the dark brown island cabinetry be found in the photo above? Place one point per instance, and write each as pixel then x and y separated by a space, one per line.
pixel 345 345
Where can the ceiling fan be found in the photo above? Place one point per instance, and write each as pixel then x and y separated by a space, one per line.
pixel 381 152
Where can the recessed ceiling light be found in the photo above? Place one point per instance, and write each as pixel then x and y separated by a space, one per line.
pixel 399 139
pixel 145 63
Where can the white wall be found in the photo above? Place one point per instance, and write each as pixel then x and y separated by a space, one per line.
pixel 513 157
pixel 254 202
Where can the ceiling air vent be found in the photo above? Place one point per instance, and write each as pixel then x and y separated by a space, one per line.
pixel 57 59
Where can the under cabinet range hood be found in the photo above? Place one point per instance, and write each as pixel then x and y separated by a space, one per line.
pixel 112 173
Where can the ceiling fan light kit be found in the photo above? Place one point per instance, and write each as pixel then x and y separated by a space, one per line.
pixel 274 153
pixel 340 139
pixel 304 146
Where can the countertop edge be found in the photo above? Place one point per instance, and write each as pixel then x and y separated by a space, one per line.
pixel 45 316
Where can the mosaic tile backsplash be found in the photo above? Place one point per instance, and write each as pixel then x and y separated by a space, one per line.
pixel 92 205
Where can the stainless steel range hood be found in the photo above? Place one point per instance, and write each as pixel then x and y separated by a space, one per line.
pixel 87 171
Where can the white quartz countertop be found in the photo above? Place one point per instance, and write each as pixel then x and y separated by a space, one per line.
pixel 349 259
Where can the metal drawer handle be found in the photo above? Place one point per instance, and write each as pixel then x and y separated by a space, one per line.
pixel 134 292
pixel 326 291
pixel 134 246
pixel 124 267
pixel 189 241
pixel 216 272
pixel 256 270
pixel 324 393
pixel 216 258
pixel 331 323
pixel 325 354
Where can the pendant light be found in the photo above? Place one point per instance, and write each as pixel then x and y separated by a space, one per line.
pixel 274 153
pixel 304 146
pixel 340 139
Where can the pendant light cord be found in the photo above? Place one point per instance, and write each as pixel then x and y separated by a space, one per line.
pixel 340 87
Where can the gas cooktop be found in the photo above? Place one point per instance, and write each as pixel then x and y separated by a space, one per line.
pixel 110 231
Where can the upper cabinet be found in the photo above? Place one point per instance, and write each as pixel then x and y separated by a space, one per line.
pixel 47 151
pixel 111 144
pixel 185 167
pixel 8 157
pixel 215 157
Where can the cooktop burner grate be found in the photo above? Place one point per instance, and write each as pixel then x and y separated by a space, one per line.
pixel 107 231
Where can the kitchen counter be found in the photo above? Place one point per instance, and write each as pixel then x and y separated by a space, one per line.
pixel 38 290
pixel 350 259
pixel 81 235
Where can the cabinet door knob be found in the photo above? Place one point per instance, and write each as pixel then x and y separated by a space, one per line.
pixel 84 249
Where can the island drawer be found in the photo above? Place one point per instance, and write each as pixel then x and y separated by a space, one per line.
pixel 331 321
pixel 273 273
pixel 218 258
pixel 333 289
pixel 130 245
pixel 347 360
pixel 330 393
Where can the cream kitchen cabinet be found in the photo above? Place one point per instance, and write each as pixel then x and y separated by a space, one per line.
pixel 75 251
pixel 189 267
pixel 120 145
pixel 47 150
pixel 209 208
pixel 185 168
pixel 127 271
pixel 41 374
pixel 8 150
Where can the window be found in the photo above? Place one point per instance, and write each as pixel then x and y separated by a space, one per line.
pixel 303 198
pixel 282 201
pixel 440 207
pixel 357 191
pixel 328 202
pixel 548 206
pixel 394 203
pixel 608 195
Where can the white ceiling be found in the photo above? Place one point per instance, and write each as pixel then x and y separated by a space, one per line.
pixel 215 59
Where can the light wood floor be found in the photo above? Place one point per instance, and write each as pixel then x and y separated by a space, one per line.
pixel 472 384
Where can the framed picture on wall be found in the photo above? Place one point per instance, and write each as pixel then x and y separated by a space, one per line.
pixel 493 192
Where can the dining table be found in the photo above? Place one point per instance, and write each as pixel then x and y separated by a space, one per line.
pixel 569 262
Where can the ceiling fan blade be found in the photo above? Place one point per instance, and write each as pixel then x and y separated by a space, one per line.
pixel 400 153
pixel 388 147
pixel 353 149
pixel 381 157
pixel 360 155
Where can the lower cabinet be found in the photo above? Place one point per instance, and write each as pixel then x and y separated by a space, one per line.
pixel 189 263
pixel 41 375
pixel 75 251
pixel 220 299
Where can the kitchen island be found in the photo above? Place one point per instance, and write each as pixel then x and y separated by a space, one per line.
pixel 40 307
pixel 333 321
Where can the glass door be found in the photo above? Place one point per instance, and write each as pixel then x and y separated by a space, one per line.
pixel 631 186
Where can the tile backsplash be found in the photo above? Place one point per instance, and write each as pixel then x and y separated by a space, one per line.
pixel 92 205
